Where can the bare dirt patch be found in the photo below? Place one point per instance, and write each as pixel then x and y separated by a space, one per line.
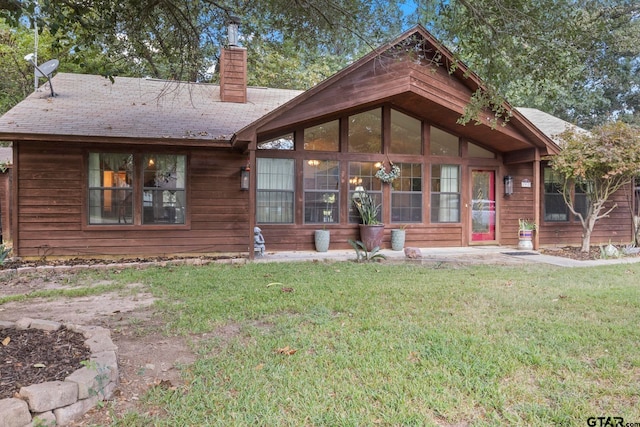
pixel 146 355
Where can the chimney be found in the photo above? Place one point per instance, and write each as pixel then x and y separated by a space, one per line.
pixel 233 67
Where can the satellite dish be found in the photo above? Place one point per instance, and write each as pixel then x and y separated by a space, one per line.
pixel 46 69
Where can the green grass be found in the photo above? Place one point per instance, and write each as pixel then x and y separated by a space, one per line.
pixel 380 344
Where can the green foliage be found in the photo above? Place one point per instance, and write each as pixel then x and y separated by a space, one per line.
pixel 4 252
pixel 578 62
pixel 102 379
pixel 305 41
pixel 526 224
pixel 362 255
pixel 601 162
pixel 367 208
pixel 608 152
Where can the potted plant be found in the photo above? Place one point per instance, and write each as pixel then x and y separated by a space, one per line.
pixel 371 230
pixel 398 237
pixel 526 227
pixel 322 239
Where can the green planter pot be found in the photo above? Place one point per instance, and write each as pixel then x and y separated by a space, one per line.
pixel 322 239
pixel 397 239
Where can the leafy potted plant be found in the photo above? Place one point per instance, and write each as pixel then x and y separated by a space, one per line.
pixel 371 230
pixel 526 227
pixel 398 237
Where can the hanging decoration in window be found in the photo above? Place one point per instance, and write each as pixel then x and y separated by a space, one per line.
pixel 388 177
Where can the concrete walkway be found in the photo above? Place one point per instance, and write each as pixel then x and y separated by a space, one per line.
pixel 499 255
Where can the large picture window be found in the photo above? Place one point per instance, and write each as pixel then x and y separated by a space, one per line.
pixel 362 178
pixel 114 181
pixel 365 132
pixel 406 194
pixel 445 193
pixel 275 190
pixel 406 134
pixel 321 191
pixel 443 143
pixel 323 137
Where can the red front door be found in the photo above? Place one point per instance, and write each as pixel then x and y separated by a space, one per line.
pixel 483 205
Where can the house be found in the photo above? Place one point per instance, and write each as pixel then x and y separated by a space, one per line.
pixel 147 167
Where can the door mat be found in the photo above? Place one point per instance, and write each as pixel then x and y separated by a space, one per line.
pixel 520 253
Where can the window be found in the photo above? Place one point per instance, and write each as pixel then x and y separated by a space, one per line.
pixel 555 208
pixel 275 190
pixel 284 142
pixel 114 186
pixel 110 188
pixel 443 143
pixel 406 134
pixel 163 191
pixel 321 191
pixel 324 137
pixel 406 194
pixel 580 200
pixel 445 193
pixel 477 151
pixel 365 132
pixel 362 178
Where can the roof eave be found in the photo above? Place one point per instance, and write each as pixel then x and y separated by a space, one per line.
pixel 187 142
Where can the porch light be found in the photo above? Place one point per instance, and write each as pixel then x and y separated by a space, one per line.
pixel 244 178
pixel 508 185
pixel 232 30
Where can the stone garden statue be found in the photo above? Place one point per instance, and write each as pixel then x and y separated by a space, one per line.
pixel 258 241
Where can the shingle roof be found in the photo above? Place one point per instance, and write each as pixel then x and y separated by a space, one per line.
pixel 550 125
pixel 91 106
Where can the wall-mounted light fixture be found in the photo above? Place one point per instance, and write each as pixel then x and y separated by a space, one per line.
pixel 508 185
pixel 244 178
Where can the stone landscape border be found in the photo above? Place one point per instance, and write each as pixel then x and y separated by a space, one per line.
pixel 61 402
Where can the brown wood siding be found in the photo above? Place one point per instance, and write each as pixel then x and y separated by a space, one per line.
pixel 520 204
pixel 616 228
pixel 52 194
pixel 5 205
pixel 301 238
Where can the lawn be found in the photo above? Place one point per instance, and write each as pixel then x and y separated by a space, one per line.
pixel 346 344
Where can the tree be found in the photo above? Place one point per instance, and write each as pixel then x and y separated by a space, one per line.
pixel 576 59
pixel 601 162
pixel 181 40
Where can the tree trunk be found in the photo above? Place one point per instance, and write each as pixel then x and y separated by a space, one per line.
pixel 586 233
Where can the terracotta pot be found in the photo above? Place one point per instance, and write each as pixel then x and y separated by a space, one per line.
pixel 371 235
